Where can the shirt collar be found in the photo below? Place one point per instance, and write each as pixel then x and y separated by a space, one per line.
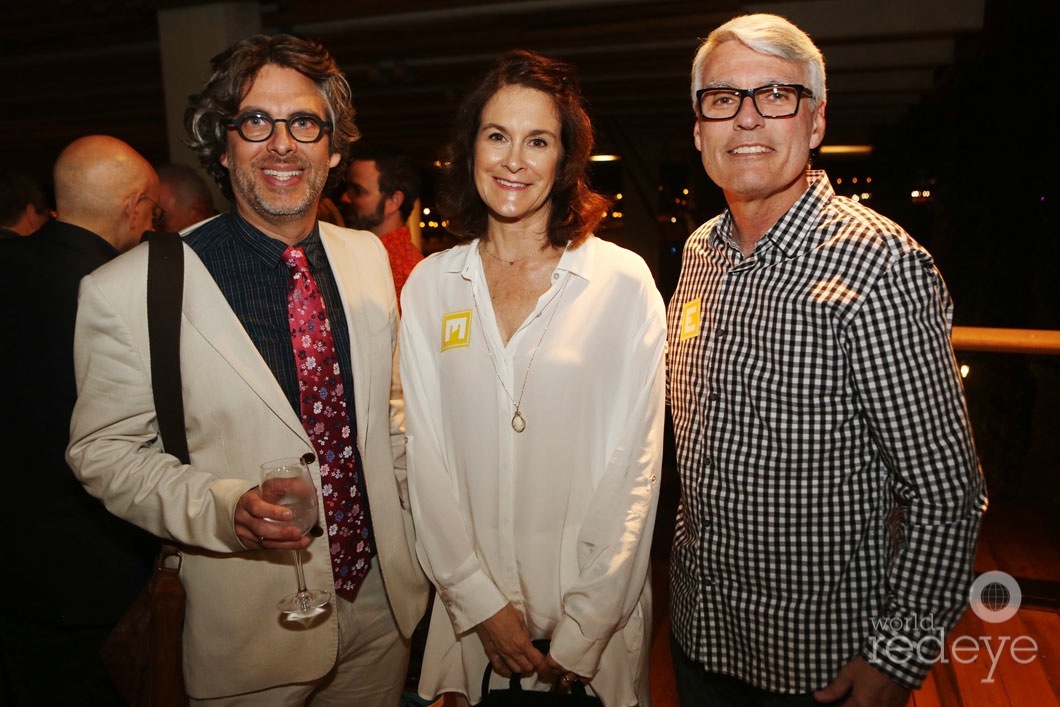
pixel 791 233
pixel 76 237
pixel 578 260
pixel 270 250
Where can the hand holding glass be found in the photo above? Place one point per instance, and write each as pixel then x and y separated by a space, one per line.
pixel 287 482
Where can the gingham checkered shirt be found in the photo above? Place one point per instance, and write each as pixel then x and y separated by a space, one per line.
pixel 831 494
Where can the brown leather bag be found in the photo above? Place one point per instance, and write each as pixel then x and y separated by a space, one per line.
pixel 143 653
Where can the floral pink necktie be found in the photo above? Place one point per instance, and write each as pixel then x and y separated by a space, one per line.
pixel 326 419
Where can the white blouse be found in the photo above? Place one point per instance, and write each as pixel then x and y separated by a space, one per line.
pixel 556 519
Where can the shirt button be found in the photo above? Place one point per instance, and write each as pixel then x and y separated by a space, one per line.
pixel 708 460
pixel 720 334
pixel 709 581
pixel 713 397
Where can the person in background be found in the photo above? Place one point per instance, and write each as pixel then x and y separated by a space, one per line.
pixel 382 186
pixel 185 197
pixel 830 492
pixel 287 348
pixel 23 206
pixel 380 191
pixel 532 364
pixel 76 568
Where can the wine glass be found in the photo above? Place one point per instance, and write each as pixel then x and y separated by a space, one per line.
pixel 287 482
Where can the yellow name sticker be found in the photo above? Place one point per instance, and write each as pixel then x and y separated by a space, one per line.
pixel 690 319
pixel 456 330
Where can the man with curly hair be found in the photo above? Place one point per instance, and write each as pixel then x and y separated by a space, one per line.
pixel 261 381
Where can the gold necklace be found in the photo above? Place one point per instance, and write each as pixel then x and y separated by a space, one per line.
pixel 505 260
pixel 518 421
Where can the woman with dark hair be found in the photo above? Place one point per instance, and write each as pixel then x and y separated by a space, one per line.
pixel 532 365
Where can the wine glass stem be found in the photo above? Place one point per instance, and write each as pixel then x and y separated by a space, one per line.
pixel 303 594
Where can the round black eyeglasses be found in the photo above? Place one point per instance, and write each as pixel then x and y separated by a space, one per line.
pixel 775 100
pixel 258 127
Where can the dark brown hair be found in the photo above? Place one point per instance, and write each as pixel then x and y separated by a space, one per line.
pixel 233 72
pixel 397 171
pixel 576 208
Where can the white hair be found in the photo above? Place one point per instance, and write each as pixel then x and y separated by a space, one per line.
pixel 765 34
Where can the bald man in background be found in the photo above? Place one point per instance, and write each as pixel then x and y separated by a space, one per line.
pixel 73 568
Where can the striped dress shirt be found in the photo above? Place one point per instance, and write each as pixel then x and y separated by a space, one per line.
pixel 249 269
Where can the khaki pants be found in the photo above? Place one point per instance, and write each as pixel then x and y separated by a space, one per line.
pixel 370 668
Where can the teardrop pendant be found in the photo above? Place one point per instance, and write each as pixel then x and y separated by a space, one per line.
pixel 518 423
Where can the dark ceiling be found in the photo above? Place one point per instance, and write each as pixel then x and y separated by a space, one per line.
pixel 76 67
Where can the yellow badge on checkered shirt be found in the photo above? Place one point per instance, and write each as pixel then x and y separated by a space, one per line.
pixel 690 319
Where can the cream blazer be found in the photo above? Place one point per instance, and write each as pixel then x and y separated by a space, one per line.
pixel 237 417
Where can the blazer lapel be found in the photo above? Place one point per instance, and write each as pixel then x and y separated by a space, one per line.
pixel 207 311
pixel 346 268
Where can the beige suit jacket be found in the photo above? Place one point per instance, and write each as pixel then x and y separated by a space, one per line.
pixel 237 417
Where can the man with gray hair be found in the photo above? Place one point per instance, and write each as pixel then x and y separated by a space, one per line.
pixel 830 491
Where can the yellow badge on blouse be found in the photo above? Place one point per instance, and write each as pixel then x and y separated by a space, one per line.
pixel 456 330
pixel 690 319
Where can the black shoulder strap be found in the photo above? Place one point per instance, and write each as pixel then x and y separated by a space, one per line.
pixel 165 296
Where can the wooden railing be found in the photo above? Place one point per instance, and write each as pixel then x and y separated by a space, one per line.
pixel 1039 592
pixel 1028 341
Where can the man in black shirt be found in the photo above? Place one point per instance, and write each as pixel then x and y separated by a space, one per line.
pixel 76 567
